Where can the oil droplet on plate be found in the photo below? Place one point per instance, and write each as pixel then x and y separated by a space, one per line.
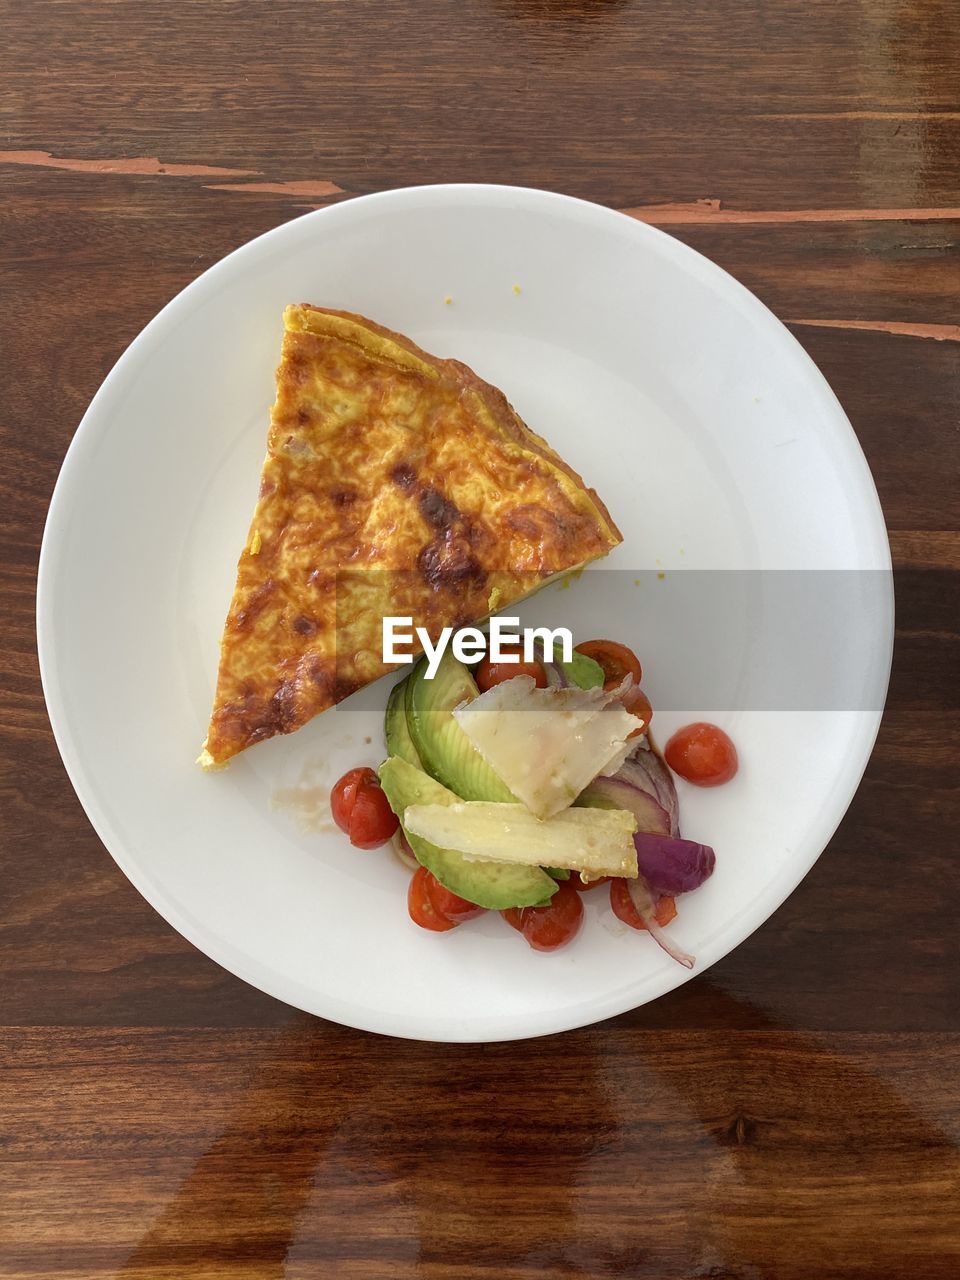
pixel 307 801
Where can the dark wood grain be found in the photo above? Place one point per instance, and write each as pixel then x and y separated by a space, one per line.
pixel 794 1112
pixel 687 1153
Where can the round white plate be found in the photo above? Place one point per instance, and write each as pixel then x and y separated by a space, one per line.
pixel 717 446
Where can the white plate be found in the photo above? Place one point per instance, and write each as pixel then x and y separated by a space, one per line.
pixel 711 436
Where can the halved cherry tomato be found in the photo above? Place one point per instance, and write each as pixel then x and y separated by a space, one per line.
pixel 547 928
pixel 361 809
pixel 616 660
pixel 420 905
pixel 638 704
pixel 703 754
pixel 344 795
pixel 514 917
pixel 623 908
pixel 373 822
pixel 449 904
pixel 490 673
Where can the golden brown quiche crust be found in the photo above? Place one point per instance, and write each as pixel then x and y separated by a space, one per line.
pixel 395 483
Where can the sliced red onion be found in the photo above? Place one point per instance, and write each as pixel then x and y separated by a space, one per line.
pixel 663 939
pixel 644 769
pixel 402 851
pixel 621 794
pixel 671 866
pixel 556 676
pixel 625 685
pixel 645 903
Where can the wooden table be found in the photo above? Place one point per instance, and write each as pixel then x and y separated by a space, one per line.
pixel 794 1112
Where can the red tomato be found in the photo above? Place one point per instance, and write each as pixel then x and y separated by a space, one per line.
pixel 490 673
pixel 449 904
pixel 547 928
pixel 623 908
pixel 361 809
pixel 703 754
pixel 372 822
pixel 638 704
pixel 421 908
pixel 616 660
pixel 344 795
pixel 514 917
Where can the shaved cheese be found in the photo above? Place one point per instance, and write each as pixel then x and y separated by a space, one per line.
pixel 595 841
pixel 547 744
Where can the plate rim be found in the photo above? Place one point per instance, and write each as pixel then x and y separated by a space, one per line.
pixel 871 529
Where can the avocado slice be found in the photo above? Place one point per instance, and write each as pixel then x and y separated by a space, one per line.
pixel 445 750
pixel 399 742
pixel 583 671
pixel 488 884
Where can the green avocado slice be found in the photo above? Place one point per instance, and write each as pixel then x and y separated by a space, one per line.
pixel 446 752
pixel 489 884
pixel 583 671
pixel 395 730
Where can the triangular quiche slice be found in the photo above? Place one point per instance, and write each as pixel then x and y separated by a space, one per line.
pixel 395 483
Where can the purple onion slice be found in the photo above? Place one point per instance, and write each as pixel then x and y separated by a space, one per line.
pixel 672 866
pixel 617 793
pixel 645 903
pixel 644 769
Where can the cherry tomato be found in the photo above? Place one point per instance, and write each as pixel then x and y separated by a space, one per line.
pixel 449 904
pixel 490 673
pixel 638 704
pixel 703 754
pixel 623 908
pixel 361 809
pixel 344 795
pixel 421 908
pixel 372 822
pixel 616 660
pixel 547 928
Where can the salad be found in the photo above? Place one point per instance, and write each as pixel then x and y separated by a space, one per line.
pixel 518 786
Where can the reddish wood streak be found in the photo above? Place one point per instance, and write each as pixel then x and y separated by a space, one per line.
pixel 939 332
pixel 712 211
pixel 859 115
pixel 307 187
pixel 125 164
